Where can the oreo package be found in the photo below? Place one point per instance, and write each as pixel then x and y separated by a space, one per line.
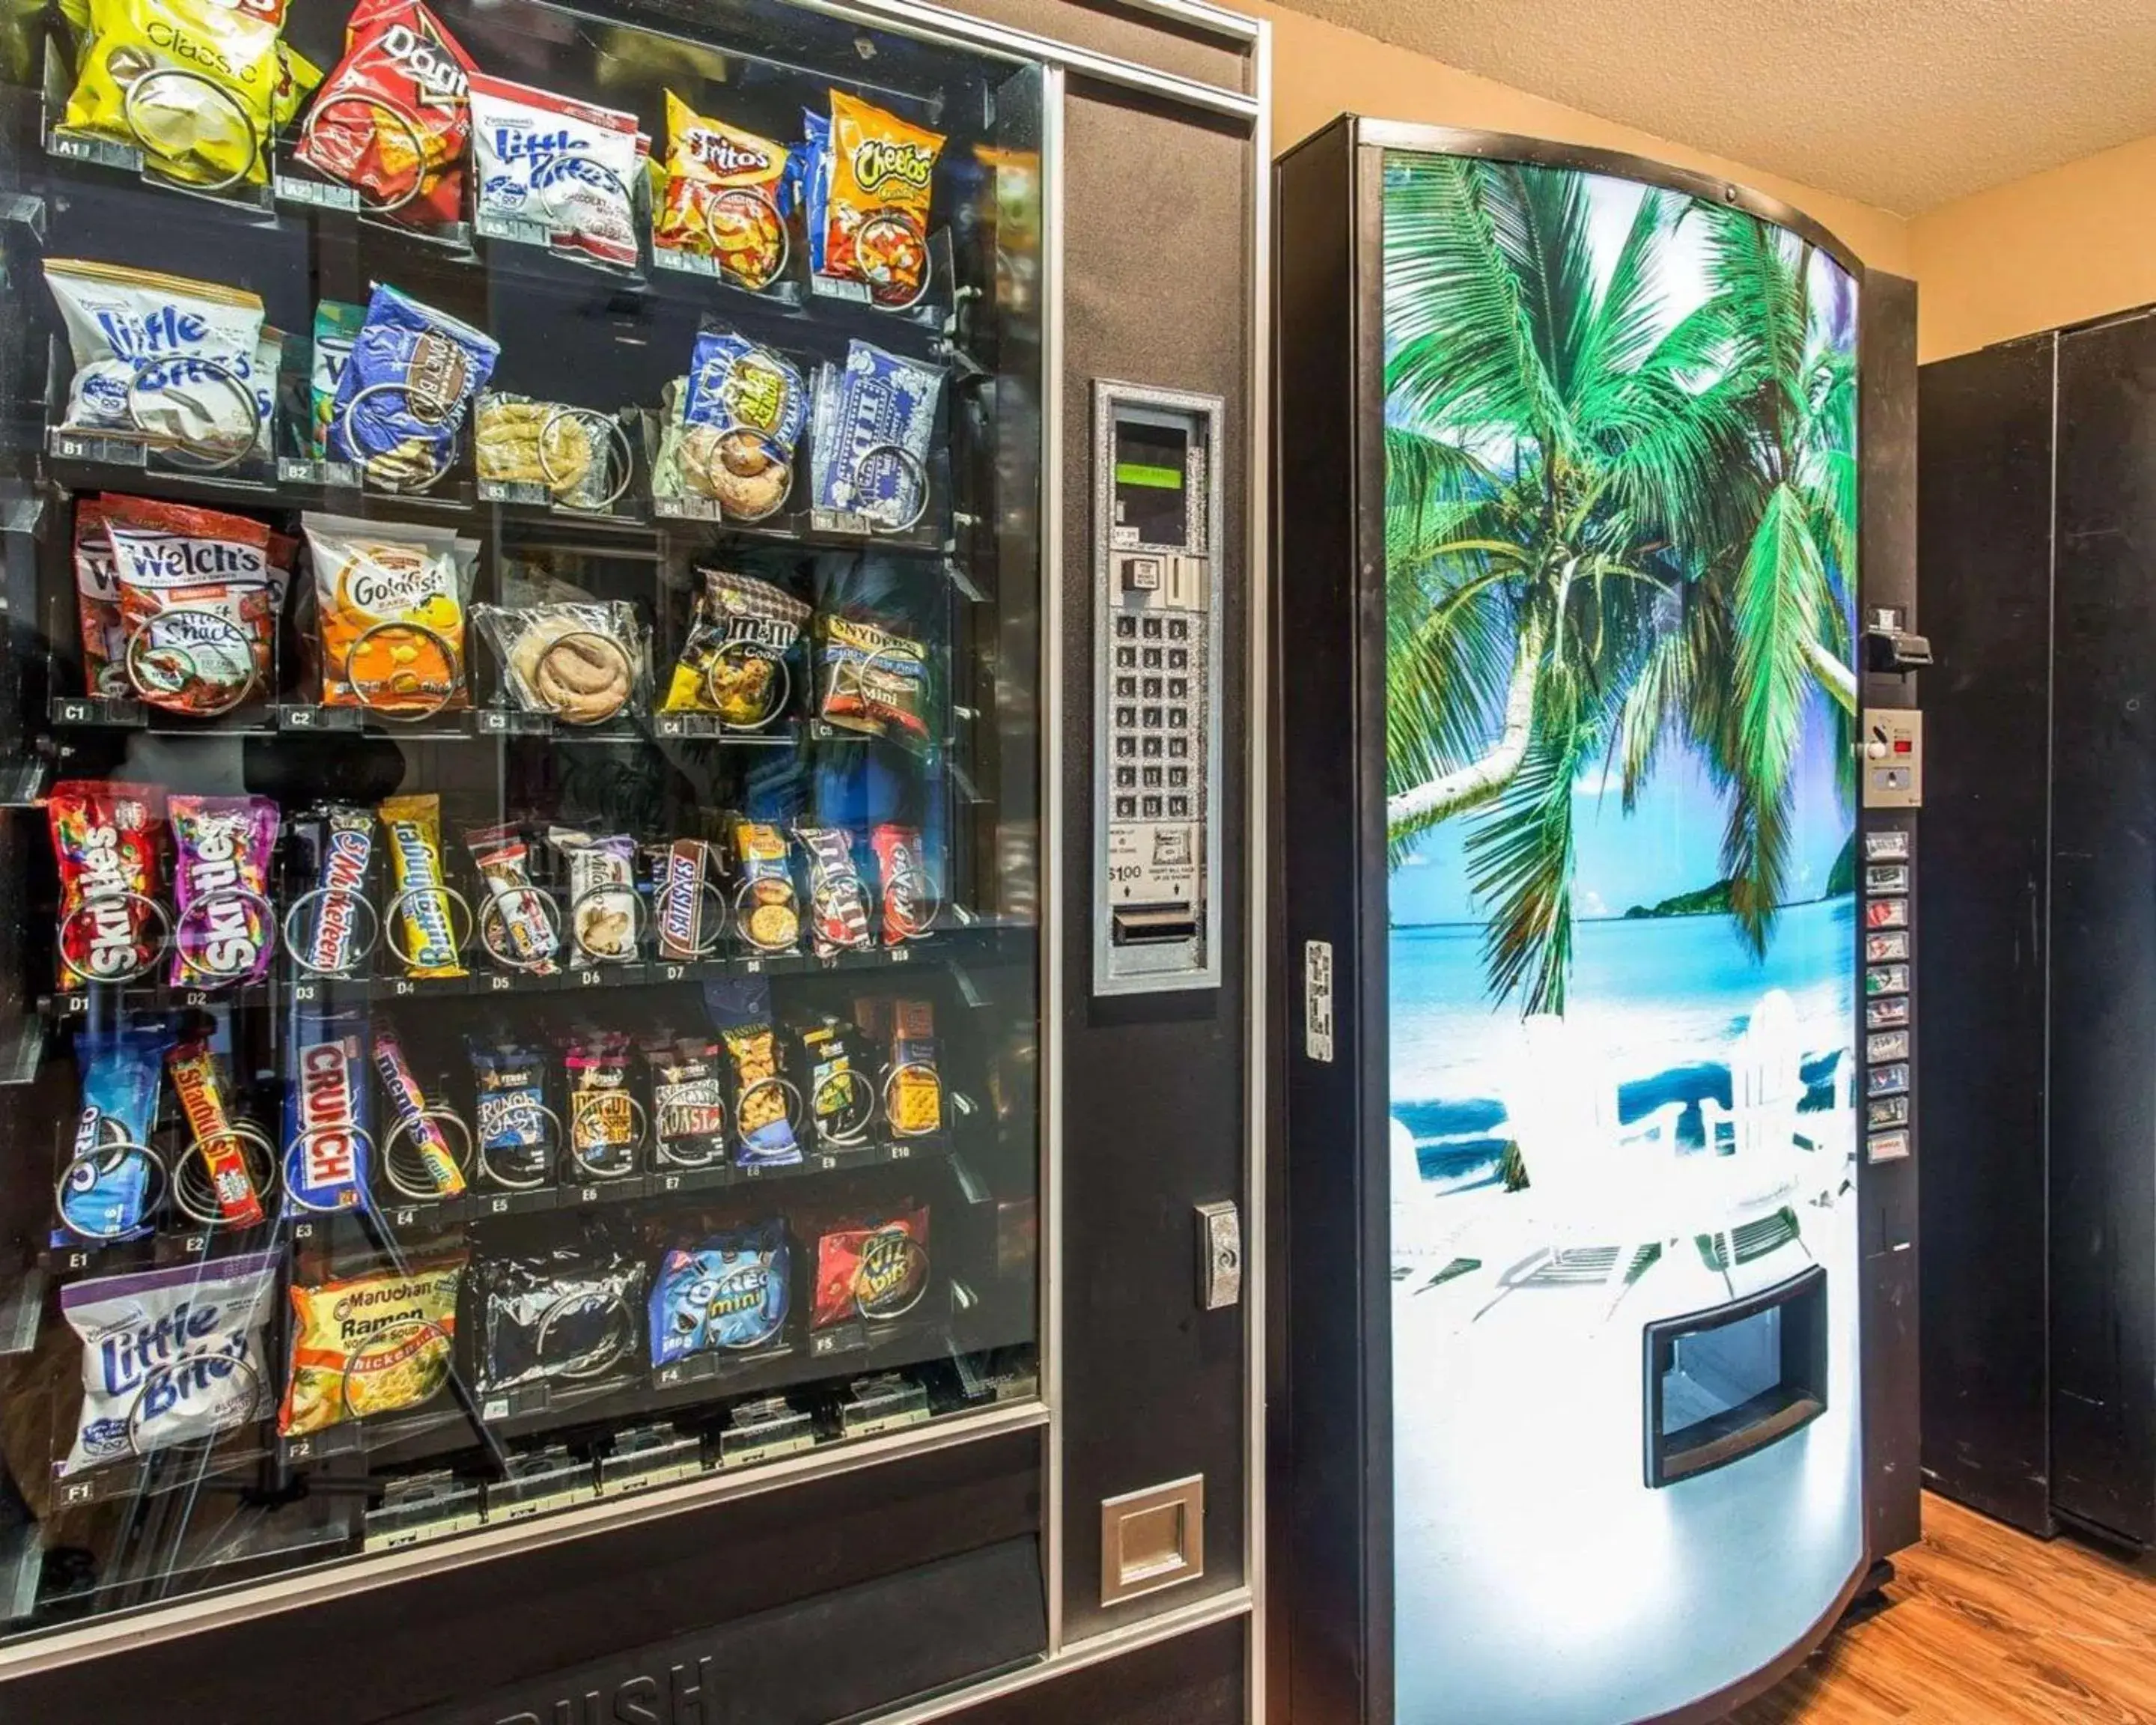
pixel 729 1292
pixel 107 1189
pixel 562 1317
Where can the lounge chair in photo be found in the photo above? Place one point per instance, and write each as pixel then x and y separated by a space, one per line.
pixel 1764 1163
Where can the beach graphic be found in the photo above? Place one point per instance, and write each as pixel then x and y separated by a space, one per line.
pixel 1620 508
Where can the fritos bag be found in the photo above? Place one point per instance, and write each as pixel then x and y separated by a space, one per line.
pixel 725 197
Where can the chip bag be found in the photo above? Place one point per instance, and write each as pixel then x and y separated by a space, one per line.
pixel 161 357
pixel 565 165
pixel 405 393
pixel 874 216
pixel 875 1268
pixel 197 84
pixel 369 1345
pixel 197 603
pixel 725 197
pixel 390 602
pixel 393 119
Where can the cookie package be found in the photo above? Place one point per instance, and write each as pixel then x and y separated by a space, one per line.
pixel 565 653
pixel 735 660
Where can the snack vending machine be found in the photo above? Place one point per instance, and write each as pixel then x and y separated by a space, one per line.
pixel 1596 1400
pixel 560 1109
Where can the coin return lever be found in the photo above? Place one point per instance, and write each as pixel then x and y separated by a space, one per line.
pixel 1157 525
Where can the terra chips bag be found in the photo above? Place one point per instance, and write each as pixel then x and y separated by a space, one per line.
pixel 566 166
pixel 726 196
pixel 198 602
pixel 369 1345
pixel 874 220
pixel 172 1356
pixel 196 85
pixel 392 118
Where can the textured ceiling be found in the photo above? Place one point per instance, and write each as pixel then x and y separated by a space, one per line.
pixel 1905 103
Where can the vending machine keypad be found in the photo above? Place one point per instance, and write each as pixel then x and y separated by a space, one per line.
pixel 1157 533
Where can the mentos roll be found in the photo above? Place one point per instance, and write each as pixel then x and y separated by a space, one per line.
pixel 328 1144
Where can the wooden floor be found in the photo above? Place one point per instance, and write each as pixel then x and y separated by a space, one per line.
pixel 1986 1624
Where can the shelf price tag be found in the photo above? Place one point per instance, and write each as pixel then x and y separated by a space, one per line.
pixel 316 194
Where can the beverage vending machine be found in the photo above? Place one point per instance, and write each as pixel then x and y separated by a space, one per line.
pixel 1595 1207
pixel 601 599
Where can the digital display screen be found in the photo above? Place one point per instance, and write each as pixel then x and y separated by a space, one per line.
pixel 1152 466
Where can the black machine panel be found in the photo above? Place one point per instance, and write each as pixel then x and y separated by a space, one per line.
pixel 1985 533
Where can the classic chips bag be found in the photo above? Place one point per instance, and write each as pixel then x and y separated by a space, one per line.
pixel 197 84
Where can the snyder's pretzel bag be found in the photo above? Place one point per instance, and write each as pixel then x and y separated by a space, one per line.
pixel 869 198
pixel 169 1356
pixel 161 357
pixel 104 843
pixel 872 679
pixel 405 393
pixel 726 196
pixel 392 120
pixel 367 1345
pixel 565 166
pixel 195 84
pixel 390 602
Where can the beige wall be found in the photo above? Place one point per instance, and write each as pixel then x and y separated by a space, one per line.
pixel 1320 69
pixel 2055 248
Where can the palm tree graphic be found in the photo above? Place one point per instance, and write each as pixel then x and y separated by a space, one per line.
pixel 1612 525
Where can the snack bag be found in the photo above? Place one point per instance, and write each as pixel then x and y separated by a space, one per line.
pixel 169 1357
pixel 728 1292
pixel 734 661
pixel 197 84
pixel 733 427
pixel 872 680
pixel 422 915
pixel 763 1104
pixel 225 930
pixel 390 604
pixel 912 1087
pixel 873 422
pixel 518 1134
pixel 908 905
pixel 564 166
pixel 725 197
pixel 838 902
pixel 841 1094
pixel 606 1124
pixel 368 1345
pixel 875 215
pixel 688 1102
pixel 105 842
pixel 877 1268
pixel 107 1189
pixel 198 1082
pixel 197 603
pixel 329 1148
pixel 606 917
pixel 339 925
pixel 415 1124
pixel 521 927
pixel 565 652
pixel 336 326
pixel 161 357
pixel 571 454
pixel 767 913
pixel 392 119
pixel 97 603
pixel 403 396
pixel 569 1316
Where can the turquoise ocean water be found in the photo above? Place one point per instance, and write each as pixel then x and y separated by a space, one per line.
pixel 1662 999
